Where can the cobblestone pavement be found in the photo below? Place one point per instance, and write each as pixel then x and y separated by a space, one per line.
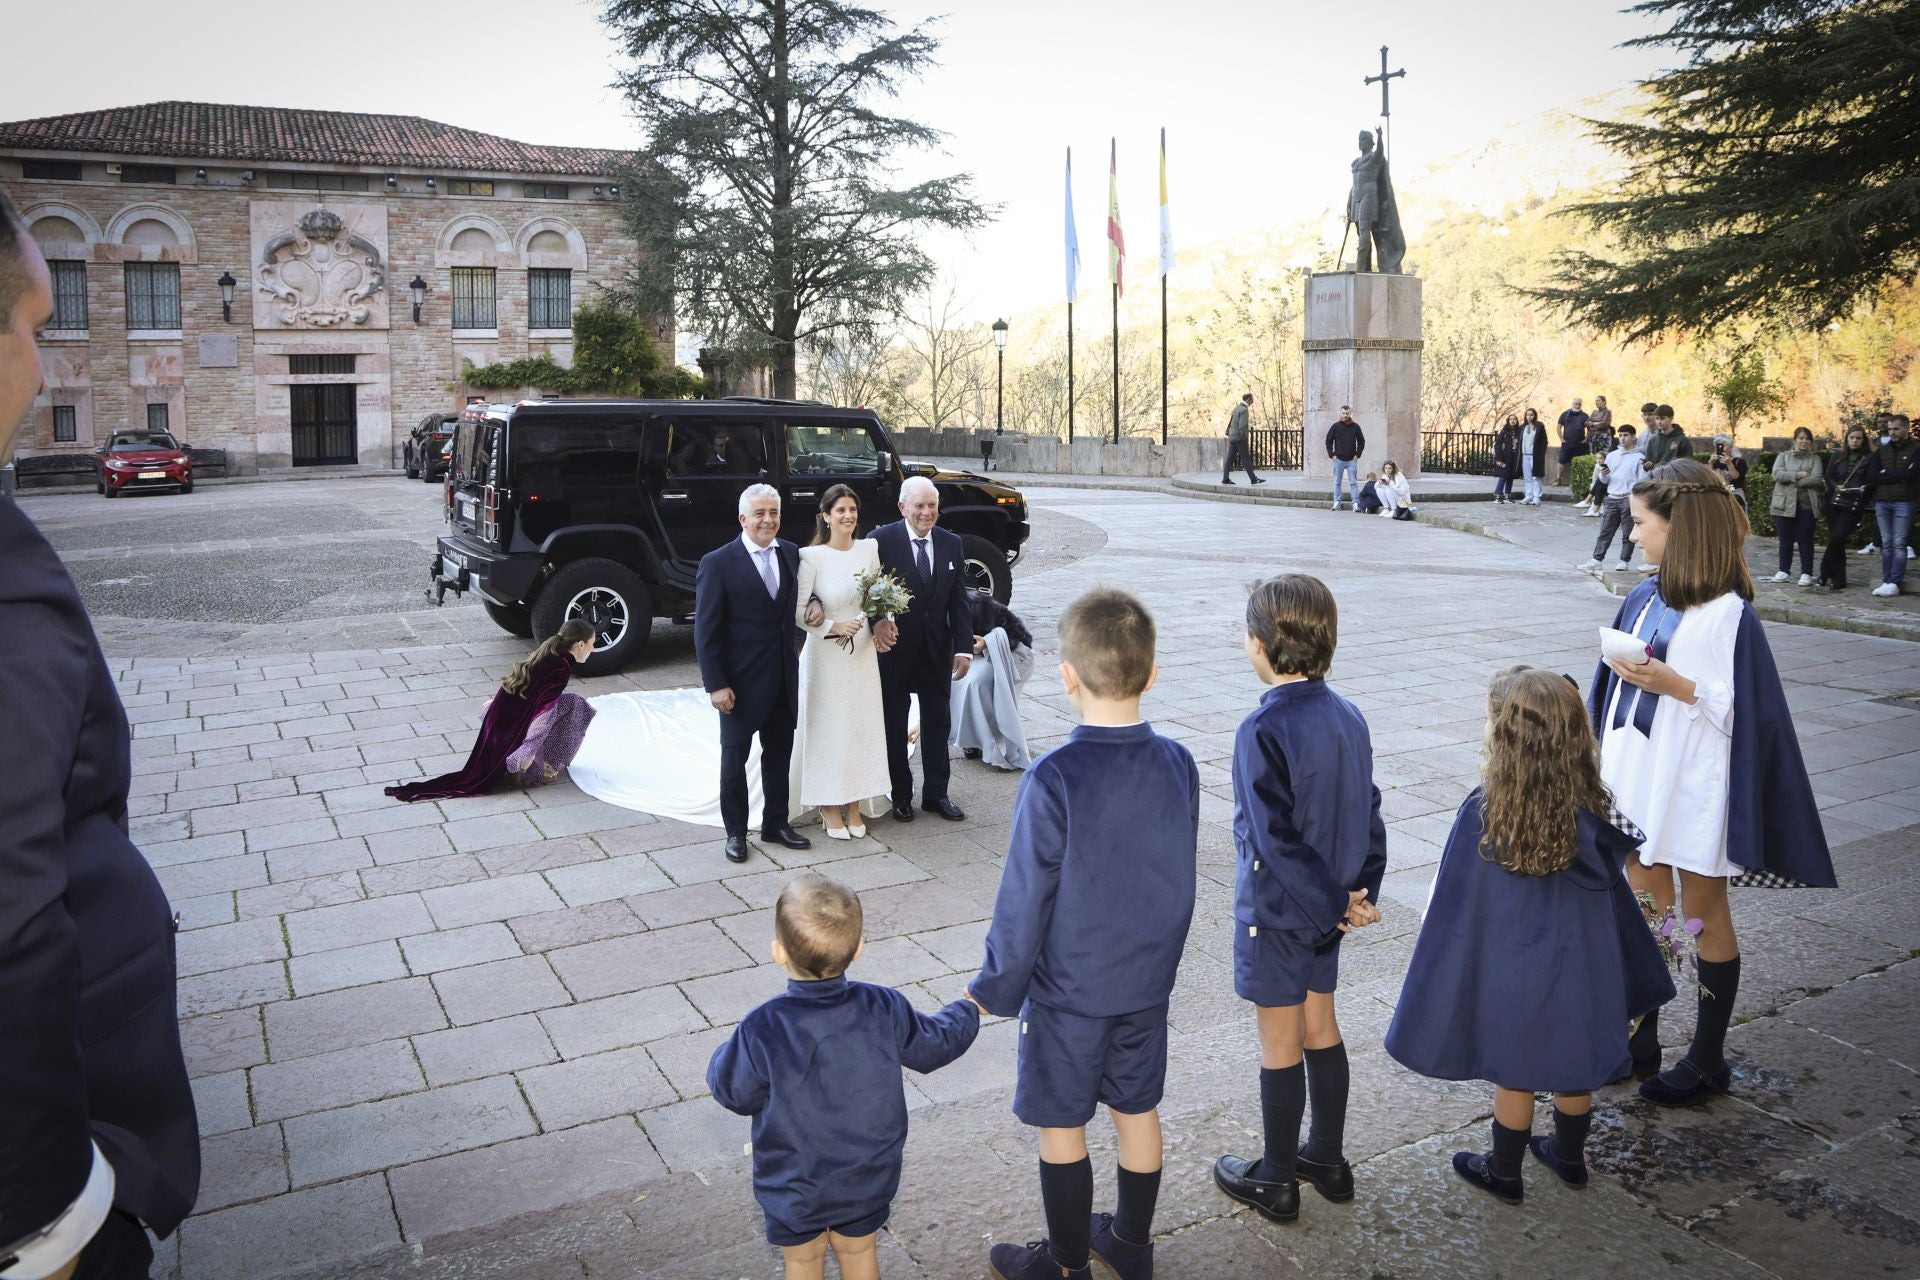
pixel 468 1039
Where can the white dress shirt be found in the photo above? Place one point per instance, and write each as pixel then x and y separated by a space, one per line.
pixel 68 1234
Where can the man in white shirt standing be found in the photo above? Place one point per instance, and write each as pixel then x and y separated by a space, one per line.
pixel 1625 466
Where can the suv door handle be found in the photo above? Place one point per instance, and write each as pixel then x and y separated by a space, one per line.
pixel 801 493
pixel 675 497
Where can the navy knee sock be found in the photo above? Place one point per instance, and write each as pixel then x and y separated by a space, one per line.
pixel 1133 1214
pixel 1645 1043
pixel 1066 1191
pixel 1509 1145
pixel 1327 1096
pixel 1719 983
pixel 1283 1101
pixel 1570 1136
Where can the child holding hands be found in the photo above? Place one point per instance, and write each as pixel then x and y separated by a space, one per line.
pixel 1087 933
pixel 1312 851
pixel 818 1069
pixel 1534 956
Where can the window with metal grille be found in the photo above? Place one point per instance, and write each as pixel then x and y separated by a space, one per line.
pixel 148 173
pixel 317 181
pixel 153 295
pixel 156 417
pixel 469 187
pixel 549 298
pixel 320 364
pixel 60 170
pixel 473 298
pixel 66 424
pixel 69 295
pixel 547 191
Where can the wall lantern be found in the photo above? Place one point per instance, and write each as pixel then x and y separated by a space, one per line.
pixel 614 192
pixel 392 182
pixel 430 184
pixel 200 174
pixel 226 283
pixel 246 175
pixel 418 288
pixel 596 193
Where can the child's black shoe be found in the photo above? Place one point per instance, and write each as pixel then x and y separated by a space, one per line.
pixel 1125 1259
pixel 1334 1181
pixel 1031 1261
pixel 1684 1084
pixel 1477 1168
pixel 1574 1175
pixel 1274 1201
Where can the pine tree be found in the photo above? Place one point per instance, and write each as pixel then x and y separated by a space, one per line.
pixel 763 197
pixel 1775 177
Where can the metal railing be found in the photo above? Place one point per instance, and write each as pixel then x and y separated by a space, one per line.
pixel 1464 453
pixel 1276 448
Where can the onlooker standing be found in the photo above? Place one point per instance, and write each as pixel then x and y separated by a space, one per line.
pixel 1730 465
pixel 1345 443
pixel 1600 442
pixel 1573 436
pixel 1895 479
pixel 1533 456
pixel 1237 442
pixel 1846 494
pixel 1669 440
pixel 1506 459
pixel 97 1128
pixel 1878 438
pixel 1798 480
pixel 1395 494
pixel 1624 466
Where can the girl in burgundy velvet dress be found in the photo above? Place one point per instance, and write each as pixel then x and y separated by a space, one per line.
pixel 532 728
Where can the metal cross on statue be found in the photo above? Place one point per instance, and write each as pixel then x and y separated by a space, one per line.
pixel 1383 80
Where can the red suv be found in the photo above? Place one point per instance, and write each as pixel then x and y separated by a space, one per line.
pixel 142 460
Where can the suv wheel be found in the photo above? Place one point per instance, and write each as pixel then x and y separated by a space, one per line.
pixel 986 568
pixel 514 619
pixel 611 599
pixel 413 471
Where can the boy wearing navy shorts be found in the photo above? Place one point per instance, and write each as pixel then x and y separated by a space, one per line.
pixel 1312 851
pixel 1087 933
pixel 818 1069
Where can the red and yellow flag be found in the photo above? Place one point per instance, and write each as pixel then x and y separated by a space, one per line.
pixel 1116 243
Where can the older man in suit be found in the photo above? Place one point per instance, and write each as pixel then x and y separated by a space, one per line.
pixel 930 645
pixel 743 607
pixel 98 1138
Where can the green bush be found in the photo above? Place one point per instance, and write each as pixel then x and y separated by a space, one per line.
pixel 612 356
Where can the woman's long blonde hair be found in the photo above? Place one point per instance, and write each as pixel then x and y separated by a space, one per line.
pixel 1542 768
pixel 571 633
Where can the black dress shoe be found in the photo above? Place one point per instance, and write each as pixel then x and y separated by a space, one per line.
pixel 1274 1201
pixel 1684 1085
pixel 971 753
pixel 903 811
pixel 736 848
pixel 785 835
pixel 1477 1168
pixel 946 809
pixel 1334 1181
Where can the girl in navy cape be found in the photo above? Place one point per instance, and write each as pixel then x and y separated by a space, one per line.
pixel 1534 957
pixel 1697 745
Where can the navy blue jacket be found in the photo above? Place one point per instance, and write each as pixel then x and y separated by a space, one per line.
pixel 1098 889
pixel 744 638
pixel 1306 815
pixel 1773 819
pixel 1529 981
pixel 91 1045
pixel 818 1069
pixel 937 626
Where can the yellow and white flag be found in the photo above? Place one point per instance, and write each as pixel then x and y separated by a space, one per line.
pixel 1166 218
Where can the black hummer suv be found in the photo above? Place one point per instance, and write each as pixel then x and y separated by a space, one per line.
pixel 601 509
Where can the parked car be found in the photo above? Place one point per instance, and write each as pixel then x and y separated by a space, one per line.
pixel 601 509
pixel 142 460
pixel 426 444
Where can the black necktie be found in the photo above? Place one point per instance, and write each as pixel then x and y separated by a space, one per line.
pixel 920 558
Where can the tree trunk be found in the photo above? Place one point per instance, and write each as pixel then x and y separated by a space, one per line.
pixel 786 316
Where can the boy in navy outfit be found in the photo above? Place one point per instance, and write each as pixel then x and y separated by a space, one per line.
pixel 1312 851
pixel 1087 932
pixel 818 1069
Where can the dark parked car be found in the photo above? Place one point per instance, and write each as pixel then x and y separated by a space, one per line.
pixel 142 460
pixel 426 444
pixel 601 509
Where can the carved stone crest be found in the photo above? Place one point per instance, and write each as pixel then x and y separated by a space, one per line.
pixel 321 275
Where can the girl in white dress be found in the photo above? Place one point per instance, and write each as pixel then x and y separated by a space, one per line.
pixel 841 748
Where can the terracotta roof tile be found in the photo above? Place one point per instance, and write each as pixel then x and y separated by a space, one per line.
pixel 203 130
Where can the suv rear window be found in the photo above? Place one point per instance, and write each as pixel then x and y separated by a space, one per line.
pixel 472 458
pixel 549 450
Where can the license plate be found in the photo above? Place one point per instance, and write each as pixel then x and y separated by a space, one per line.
pixel 153 475
pixel 470 508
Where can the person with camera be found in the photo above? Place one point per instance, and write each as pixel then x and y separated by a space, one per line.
pixel 1730 465
pixel 1847 470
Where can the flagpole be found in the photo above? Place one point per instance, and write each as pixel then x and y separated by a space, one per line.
pixel 1073 291
pixel 1069 381
pixel 1116 362
pixel 1166 250
pixel 1163 359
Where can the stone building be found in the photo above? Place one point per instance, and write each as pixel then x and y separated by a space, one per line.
pixel 366 256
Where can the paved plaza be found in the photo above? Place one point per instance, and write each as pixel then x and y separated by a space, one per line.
pixel 468 1038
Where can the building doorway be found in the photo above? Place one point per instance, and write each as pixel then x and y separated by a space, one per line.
pixel 325 420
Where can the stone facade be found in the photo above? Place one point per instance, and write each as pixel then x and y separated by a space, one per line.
pixel 319 273
pixel 1362 348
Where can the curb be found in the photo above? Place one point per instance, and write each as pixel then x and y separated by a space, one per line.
pixel 212 482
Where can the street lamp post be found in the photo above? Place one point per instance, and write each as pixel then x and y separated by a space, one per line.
pixel 1000 373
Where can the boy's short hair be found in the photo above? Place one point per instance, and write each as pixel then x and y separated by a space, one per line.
pixel 1627 429
pixel 1294 618
pixel 1650 407
pixel 1107 636
pixel 818 921
pixel 1665 411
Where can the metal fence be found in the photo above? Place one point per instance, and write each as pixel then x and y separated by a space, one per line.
pixel 1276 448
pixel 1464 453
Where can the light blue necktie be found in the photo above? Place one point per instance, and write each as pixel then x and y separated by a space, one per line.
pixel 767 573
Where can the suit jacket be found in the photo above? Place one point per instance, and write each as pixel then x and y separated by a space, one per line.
pixel 92 1039
pixel 937 625
pixel 744 637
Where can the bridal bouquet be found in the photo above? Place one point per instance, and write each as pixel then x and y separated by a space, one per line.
pixel 880 594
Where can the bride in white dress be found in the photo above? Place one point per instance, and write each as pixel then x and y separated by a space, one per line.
pixel 840 748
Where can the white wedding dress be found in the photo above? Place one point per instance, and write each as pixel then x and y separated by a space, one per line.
pixel 840 749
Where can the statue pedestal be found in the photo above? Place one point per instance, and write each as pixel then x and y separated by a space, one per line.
pixel 1362 348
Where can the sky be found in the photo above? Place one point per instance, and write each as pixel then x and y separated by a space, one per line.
pixel 1261 99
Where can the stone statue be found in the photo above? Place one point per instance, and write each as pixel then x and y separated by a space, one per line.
pixel 1373 212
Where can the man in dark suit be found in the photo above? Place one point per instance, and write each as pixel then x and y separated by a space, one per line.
pixel 931 645
pixel 97 1128
pixel 743 602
